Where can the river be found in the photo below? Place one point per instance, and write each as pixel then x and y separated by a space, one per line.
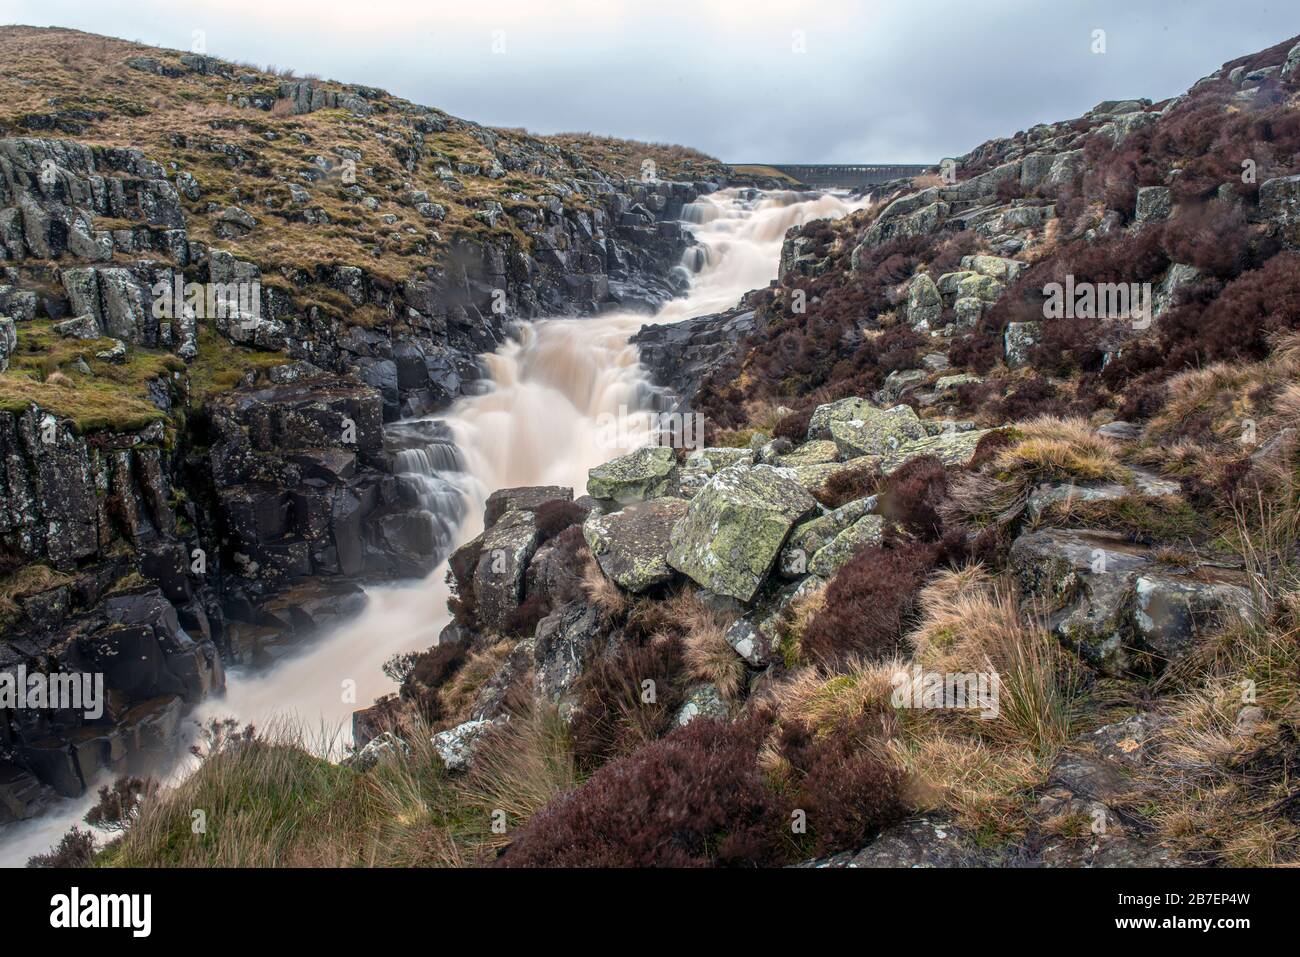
pixel 543 421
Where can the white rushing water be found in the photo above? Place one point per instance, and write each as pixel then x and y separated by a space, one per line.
pixel 544 421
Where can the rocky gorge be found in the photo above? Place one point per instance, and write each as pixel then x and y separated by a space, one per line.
pixel 952 580
pixel 188 488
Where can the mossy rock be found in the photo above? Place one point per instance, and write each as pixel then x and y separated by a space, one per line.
pixel 647 473
pixel 874 431
pixel 735 527
pixel 631 545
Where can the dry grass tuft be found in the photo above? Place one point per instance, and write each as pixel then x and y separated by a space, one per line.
pixel 1053 448
pixel 602 593
pixel 707 653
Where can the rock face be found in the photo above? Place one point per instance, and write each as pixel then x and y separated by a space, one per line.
pixel 1113 601
pixel 681 355
pixel 631 545
pixel 259 498
pixel 735 527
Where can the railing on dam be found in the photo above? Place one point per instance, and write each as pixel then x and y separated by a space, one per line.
pixel 847 176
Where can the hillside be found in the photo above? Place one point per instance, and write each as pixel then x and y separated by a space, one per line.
pixel 992 561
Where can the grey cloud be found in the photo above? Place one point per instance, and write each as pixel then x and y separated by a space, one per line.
pixel 906 81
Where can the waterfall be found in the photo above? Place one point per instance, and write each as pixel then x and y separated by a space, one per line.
pixel 541 421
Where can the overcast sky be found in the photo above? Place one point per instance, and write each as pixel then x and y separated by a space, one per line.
pixel 746 80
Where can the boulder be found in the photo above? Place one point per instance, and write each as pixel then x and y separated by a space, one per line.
pixel 79 327
pixel 522 499
pixel 811 536
pixel 735 527
pixel 456 746
pixel 1279 203
pixel 647 473
pixel 1122 610
pixel 1018 339
pixel 1170 611
pixel 898 383
pixel 874 431
pixel 1154 203
pixel 702 701
pixel 1291 68
pixel 979 286
pixel 953 449
pixel 8 341
pixel 817 452
pixel 864 533
pixel 715 459
pixel 819 423
pixel 924 304
pixel 502 565
pixel 383 747
pixel 967 312
pixel 996 267
pixel 922 842
pixel 631 545
pixel 561 645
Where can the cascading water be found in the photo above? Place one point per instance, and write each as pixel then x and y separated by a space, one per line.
pixel 555 391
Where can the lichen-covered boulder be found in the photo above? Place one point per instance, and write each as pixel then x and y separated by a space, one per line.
pixel 507 548
pixel 864 533
pixel 876 431
pixel 735 527
pixel 631 545
pixel 812 476
pixel 524 498
pixel 8 341
pixel 1018 339
pixel 647 473
pixel 1154 203
pixel 1279 203
pixel 715 459
pixel 456 745
pixel 702 701
pixel 967 311
pixel 981 287
pixel 997 267
pixel 818 452
pixel 561 644
pixel 819 424
pixel 924 305
pixel 811 536
pixel 951 448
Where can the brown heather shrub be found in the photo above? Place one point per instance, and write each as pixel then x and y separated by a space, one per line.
pixel 951 251
pixel 554 517
pixel 611 718
pixel 428 673
pixel 796 354
pixel 75 849
pixel 848 790
pixel 693 799
pixel 793 426
pixel 868 604
pixel 848 485
pixel 988 449
pixel 908 497
pixel 1239 322
pixel 522 621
